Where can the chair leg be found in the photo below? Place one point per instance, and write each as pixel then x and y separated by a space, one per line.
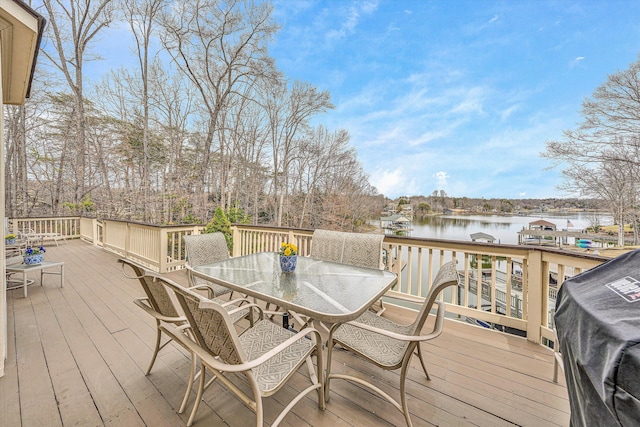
pixel 203 372
pixel 192 375
pixel 424 367
pixel 403 396
pixel 259 413
pixel 157 349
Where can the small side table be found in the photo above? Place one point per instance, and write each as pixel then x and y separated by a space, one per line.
pixel 25 268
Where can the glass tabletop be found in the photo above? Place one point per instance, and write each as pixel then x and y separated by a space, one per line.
pixel 323 290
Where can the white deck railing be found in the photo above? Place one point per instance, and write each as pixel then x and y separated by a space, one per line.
pixel 69 226
pixel 522 275
pixel 526 273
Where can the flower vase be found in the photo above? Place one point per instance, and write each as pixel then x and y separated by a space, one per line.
pixel 288 263
pixel 10 241
pixel 33 259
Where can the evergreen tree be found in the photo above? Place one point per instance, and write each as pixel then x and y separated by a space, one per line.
pixel 220 223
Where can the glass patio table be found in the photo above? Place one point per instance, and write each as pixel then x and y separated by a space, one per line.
pixel 324 291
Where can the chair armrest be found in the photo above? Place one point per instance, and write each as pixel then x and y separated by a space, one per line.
pixel 437 329
pixel 216 364
pixel 124 271
pixel 246 306
pixel 273 352
pixel 202 287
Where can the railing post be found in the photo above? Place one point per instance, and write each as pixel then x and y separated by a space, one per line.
pixel 237 241
pixel 534 296
pixel 162 253
pixel 94 228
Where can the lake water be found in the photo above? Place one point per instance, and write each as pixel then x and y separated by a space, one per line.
pixel 503 228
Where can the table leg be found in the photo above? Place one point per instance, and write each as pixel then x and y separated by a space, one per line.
pixel 24 282
pixel 62 275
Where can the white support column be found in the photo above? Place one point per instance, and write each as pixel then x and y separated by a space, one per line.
pixel 3 214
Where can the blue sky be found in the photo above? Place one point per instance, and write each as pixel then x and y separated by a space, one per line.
pixel 456 95
pixel 450 95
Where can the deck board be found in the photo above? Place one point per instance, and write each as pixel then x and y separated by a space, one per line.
pixel 77 356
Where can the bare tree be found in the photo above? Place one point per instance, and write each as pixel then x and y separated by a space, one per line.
pixel 289 113
pixel 221 47
pixel 602 156
pixel 173 99
pixel 609 181
pixel 74 24
pixel 141 16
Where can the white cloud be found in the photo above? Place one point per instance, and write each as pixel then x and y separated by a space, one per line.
pixel 429 136
pixel 352 19
pixel 505 114
pixel 394 183
pixel 442 179
pixel 471 100
pixel 577 61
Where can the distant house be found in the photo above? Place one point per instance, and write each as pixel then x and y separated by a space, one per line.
pixel 407 210
pixel 541 224
pixel 538 238
pixel 396 223
pixel 390 209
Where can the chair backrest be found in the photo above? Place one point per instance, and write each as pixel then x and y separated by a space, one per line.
pixel 447 276
pixel 211 326
pixel 159 297
pixel 13 256
pixel 361 250
pixel 205 248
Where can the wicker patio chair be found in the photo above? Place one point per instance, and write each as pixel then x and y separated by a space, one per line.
pixel 204 249
pixel 159 303
pixel 389 345
pixel 361 250
pixel 265 355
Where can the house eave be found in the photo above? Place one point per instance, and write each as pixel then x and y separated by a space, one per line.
pixel 21 29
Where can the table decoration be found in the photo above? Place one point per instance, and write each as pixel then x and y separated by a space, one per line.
pixel 288 257
pixel 33 256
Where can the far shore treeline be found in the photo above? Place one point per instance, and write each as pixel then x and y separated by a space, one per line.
pixel 440 202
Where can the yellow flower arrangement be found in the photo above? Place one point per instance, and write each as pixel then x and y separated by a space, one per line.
pixel 10 236
pixel 288 249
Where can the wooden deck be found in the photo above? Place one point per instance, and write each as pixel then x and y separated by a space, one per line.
pixel 77 356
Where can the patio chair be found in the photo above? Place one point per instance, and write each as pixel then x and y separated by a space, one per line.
pixel 13 256
pixel 204 249
pixel 265 355
pixel 39 238
pixel 159 303
pixel 389 345
pixel 361 250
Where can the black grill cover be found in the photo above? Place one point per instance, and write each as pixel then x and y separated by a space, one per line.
pixel 598 325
